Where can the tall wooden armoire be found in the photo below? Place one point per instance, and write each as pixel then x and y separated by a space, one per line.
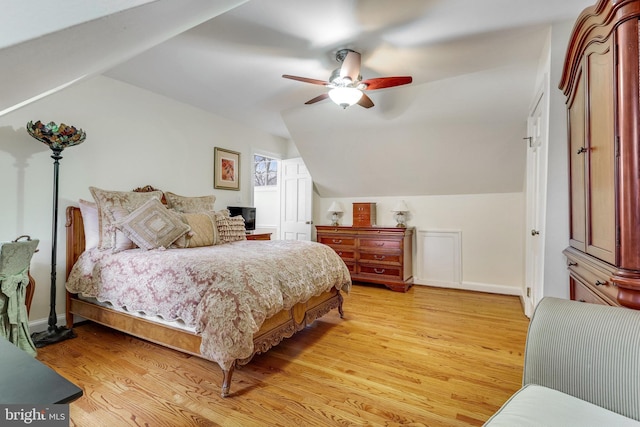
pixel 601 81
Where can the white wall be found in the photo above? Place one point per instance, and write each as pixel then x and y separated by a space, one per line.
pixel 556 276
pixel 134 138
pixel 492 227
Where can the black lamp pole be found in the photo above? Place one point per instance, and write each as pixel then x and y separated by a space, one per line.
pixel 53 333
pixel 57 137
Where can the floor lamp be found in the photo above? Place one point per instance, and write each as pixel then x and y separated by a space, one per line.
pixel 57 137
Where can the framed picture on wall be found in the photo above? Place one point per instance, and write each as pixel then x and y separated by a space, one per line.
pixel 226 169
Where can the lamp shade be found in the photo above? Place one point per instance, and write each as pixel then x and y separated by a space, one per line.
pixel 400 206
pixel 57 137
pixel 345 96
pixel 335 207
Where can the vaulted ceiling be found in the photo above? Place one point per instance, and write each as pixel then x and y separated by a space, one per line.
pixel 457 129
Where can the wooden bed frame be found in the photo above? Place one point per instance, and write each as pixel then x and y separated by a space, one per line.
pixel 283 325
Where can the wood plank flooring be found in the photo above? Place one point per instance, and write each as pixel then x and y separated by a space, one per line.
pixel 428 357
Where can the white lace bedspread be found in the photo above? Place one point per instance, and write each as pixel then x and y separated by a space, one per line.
pixel 225 291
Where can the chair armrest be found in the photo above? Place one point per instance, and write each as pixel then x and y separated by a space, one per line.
pixel 589 351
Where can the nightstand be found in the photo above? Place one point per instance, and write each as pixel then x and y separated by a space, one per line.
pixel 259 236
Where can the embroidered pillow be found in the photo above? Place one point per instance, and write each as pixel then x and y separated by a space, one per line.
pixel 119 240
pixel 230 229
pixel 204 231
pixel 129 200
pixel 89 211
pixel 152 226
pixel 189 204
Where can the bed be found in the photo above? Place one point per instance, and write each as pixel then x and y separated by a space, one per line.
pixel 195 335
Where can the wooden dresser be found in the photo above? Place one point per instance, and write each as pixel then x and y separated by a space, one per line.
pixel 381 255
pixel 601 81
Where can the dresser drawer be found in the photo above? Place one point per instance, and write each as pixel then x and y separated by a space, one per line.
pixel 382 258
pixel 377 244
pixel 380 271
pixel 346 255
pixel 594 277
pixel 580 292
pixel 351 266
pixel 338 241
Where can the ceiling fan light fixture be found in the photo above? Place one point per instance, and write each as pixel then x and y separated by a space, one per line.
pixel 345 96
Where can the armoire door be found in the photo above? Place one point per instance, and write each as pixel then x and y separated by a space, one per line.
pixel 577 182
pixel 600 154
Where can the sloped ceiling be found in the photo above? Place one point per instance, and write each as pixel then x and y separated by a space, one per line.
pixel 46 46
pixel 457 129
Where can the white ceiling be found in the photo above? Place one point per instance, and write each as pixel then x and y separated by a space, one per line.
pixel 454 130
pixel 232 64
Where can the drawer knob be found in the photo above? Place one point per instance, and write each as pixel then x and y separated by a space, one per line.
pixel 337 241
pixel 600 283
pixel 379 243
pixel 379 257
pixel 379 271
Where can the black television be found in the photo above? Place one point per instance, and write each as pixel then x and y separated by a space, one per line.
pixel 248 213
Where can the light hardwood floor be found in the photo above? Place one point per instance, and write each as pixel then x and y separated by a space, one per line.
pixel 428 357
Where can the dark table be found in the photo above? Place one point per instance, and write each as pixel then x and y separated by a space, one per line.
pixel 23 379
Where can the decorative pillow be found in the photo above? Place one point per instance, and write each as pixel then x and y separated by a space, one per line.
pixel 152 225
pixel 89 211
pixel 119 240
pixel 203 230
pixel 189 204
pixel 230 229
pixel 130 200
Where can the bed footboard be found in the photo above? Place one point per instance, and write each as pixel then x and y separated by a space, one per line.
pixel 283 325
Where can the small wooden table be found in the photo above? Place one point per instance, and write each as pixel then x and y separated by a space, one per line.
pixel 259 236
pixel 25 380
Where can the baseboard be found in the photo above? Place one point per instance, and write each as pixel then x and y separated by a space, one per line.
pixel 474 286
pixel 40 325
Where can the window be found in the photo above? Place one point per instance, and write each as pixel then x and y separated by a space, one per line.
pixel 265 171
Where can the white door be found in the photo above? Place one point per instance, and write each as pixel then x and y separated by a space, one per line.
pixel 296 201
pixel 536 194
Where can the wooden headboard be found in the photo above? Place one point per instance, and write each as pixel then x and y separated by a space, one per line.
pixel 75 236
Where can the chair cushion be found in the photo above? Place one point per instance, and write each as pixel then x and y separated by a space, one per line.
pixel 534 406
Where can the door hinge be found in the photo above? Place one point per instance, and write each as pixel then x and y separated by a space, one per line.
pixel 528 292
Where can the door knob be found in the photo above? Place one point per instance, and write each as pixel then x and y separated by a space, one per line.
pixel 534 232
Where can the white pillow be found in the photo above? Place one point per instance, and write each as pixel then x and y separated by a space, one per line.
pixel 89 211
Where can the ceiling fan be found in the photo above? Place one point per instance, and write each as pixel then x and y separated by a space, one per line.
pixel 347 86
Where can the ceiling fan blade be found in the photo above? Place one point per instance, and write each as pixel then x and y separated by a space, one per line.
pixel 317 99
pixel 351 66
pixel 307 80
pixel 383 82
pixel 365 101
